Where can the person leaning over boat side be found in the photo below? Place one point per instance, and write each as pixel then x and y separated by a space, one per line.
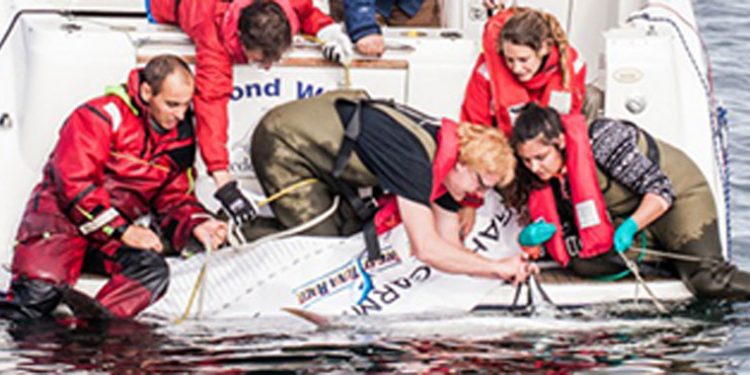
pixel 427 167
pixel 239 31
pixel 364 17
pixel 120 156
pixel 526 58
pixel 569 185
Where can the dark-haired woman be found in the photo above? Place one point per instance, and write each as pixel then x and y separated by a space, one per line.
pixel 598 187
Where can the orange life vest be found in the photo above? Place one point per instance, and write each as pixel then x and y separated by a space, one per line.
pixel 545 88
pixel 595 228
pixel 446 157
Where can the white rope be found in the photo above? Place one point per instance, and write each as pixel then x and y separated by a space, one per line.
pixel 291 231
pixel 682 257
pixel 634 269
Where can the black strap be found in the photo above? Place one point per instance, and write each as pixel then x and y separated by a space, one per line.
pixel 351 133
pixel 419 117
pixel 80 196
pixel 365 209
pixel 652 150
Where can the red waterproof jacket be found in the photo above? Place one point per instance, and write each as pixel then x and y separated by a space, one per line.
pixel 494 92
pixel 212 25
pixel 595 229
pixel 109 167
pixel 446 157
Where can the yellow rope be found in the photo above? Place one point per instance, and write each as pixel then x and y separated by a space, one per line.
pixel 287 190
pixel 191 181
pixel 199 280
pixel 347 76
pixel 193 293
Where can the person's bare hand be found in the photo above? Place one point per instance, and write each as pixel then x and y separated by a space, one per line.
pixel 494 4
pixel 516 269
pixel 371 45
pixel 466 218
pixel 141 238
pixel 212 231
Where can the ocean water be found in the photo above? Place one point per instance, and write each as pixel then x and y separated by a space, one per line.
pixel 622 339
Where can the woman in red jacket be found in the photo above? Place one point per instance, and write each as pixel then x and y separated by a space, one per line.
pixel 232 32
pixel 526 58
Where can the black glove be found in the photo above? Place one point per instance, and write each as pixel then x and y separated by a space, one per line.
pixel 237 206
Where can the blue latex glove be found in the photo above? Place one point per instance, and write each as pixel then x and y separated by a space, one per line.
pixel 536 233
pixel 624 235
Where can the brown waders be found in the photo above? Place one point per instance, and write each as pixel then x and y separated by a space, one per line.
pixel 689 227
pixel 301 140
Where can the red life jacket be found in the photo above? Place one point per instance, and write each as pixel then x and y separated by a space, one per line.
pixel 545 88
pixel 595 229
pixel 446 157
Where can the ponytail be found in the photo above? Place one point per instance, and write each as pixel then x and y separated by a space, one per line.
pixel 561 40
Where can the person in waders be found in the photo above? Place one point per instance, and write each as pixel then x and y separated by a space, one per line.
pixel 121 156
pixel 343 142
pixel 587 193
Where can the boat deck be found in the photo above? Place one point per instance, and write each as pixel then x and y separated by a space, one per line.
pixel 556 275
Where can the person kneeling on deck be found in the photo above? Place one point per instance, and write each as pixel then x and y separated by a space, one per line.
pixel 570 185
pixel 319 149
pixel 120 156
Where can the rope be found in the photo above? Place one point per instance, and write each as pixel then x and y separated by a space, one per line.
pixel 347 68
pixel 681 257
pixel 291 231
pixel 286 191
pixel 621 274
pixel 719 123
pixel 531 280
pixel 634 268
pixel 199 285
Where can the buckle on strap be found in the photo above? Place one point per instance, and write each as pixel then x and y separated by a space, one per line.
pixel 99 221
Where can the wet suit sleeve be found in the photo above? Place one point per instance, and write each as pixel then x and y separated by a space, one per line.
pixel 615 150
pixel 213 89
pixel 178 208
pixel 311 18
pixel 78 166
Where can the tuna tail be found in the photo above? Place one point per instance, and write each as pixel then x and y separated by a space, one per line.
pixel 319 320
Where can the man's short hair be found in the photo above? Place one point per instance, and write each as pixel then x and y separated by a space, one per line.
pixel 264 27
pixel 160 67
